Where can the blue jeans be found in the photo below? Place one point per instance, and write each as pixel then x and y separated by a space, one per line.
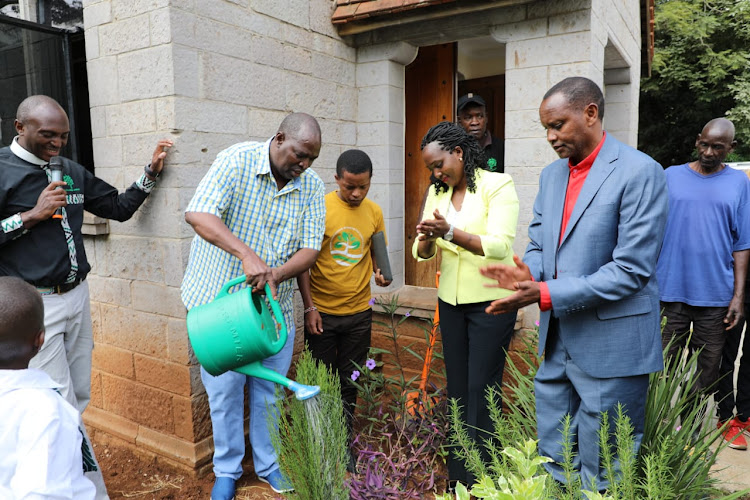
pixel 226 397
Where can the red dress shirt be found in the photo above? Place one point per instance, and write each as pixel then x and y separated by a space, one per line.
pixel 576 178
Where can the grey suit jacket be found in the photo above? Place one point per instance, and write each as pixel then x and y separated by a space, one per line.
pixel 601 273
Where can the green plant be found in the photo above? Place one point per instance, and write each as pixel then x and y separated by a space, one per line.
pixel 523 483
pixel 701 57
pixel 311 441
pixel 674 460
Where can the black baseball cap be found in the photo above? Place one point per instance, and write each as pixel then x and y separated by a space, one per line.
pixel 470 99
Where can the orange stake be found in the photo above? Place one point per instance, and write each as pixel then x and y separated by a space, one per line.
pixel 417 398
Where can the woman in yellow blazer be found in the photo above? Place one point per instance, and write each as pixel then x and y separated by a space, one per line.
pixel 471 214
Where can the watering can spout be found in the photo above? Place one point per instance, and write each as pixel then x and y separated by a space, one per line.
pixel 303 392
pixel 257 370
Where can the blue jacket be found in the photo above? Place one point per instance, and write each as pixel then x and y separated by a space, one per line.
pixel 601 277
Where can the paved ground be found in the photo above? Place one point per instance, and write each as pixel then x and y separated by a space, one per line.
pixel 733 466
pixel 733 469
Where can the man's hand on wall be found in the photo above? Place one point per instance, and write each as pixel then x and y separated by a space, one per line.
pixel 157 159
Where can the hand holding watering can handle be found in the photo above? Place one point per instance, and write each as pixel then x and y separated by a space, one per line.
pixel 275 307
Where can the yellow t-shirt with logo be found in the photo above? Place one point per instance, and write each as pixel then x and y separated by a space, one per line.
pixel 340 278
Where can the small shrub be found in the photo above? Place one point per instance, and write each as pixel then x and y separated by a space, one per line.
pixel 311 441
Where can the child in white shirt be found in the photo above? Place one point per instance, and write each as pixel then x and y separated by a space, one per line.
pixel 40 437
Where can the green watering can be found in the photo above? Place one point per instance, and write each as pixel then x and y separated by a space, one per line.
pixel 236 332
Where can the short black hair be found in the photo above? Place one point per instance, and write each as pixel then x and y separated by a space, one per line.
pixel 353 161
pixel 449 135
pixel 21 317
pixel 580 92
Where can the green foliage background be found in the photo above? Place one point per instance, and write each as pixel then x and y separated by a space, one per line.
pixel 701 70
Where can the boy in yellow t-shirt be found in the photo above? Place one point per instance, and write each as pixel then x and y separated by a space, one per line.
pixel 336 292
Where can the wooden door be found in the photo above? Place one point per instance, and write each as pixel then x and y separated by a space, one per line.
pixel 430 94
pixel 492 90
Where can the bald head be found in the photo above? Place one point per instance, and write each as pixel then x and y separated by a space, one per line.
pixel 300 126
pixel 714 144
pixel 42 126
pixel 721 127
pixel 33 105
pixel 294 147
pixel 21 322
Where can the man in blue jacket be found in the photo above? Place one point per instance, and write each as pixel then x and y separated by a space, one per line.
pixel 595 237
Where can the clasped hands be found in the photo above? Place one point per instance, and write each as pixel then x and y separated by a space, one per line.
pixel 517 278
pixel 432 229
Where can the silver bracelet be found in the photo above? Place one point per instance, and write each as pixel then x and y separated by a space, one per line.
pixel 311 309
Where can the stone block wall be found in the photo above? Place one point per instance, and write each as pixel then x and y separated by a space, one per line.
pixel 546 42
pixel 206 74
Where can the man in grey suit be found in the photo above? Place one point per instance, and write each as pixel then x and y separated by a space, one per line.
pixel 595 237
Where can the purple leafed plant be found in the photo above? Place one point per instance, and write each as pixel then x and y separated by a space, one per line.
pixel 403 460
pixel 399 432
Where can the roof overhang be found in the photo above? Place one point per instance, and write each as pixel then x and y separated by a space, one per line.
pixel 353 17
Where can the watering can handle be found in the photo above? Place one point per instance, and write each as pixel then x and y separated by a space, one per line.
pixel 229 284
pixel 275 307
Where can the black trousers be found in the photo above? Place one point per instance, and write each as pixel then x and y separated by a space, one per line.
pixel 725 388
pixel 708 335
pixel 474 347
pixel 345 340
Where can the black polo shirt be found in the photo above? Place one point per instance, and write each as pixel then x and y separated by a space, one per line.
pixel 495 154
pixel 40 254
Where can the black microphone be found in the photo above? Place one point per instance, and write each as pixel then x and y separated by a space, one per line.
pixel 56 174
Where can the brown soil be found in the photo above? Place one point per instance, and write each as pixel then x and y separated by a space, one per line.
pixel 130 474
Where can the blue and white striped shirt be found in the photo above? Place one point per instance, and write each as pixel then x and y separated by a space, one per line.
pixel 239 188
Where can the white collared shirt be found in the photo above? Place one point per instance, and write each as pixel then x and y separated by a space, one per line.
pixel 25 155
pixel 40 440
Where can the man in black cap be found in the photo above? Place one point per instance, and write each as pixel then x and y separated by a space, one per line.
pixel 472 116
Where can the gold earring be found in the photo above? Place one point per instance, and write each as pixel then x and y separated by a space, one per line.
pixel 461 158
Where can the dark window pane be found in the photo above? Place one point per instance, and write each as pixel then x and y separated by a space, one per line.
pixel 66 14
pixel 31 62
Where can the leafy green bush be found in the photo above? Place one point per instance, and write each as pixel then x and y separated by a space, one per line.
pixel 674 460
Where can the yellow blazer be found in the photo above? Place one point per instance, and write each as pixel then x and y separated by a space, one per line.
pixel 491 212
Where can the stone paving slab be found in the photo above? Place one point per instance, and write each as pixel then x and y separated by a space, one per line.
pixel 732 468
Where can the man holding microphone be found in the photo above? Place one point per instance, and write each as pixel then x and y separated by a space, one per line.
pixel 42 199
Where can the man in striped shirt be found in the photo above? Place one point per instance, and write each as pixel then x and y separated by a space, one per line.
pixel 257 212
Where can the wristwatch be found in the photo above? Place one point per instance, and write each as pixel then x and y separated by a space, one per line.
pixel 449 235
pixel 150 172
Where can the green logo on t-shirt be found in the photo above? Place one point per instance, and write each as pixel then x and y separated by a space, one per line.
pixel 492 164
pixel 346 246
pixel 69 181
